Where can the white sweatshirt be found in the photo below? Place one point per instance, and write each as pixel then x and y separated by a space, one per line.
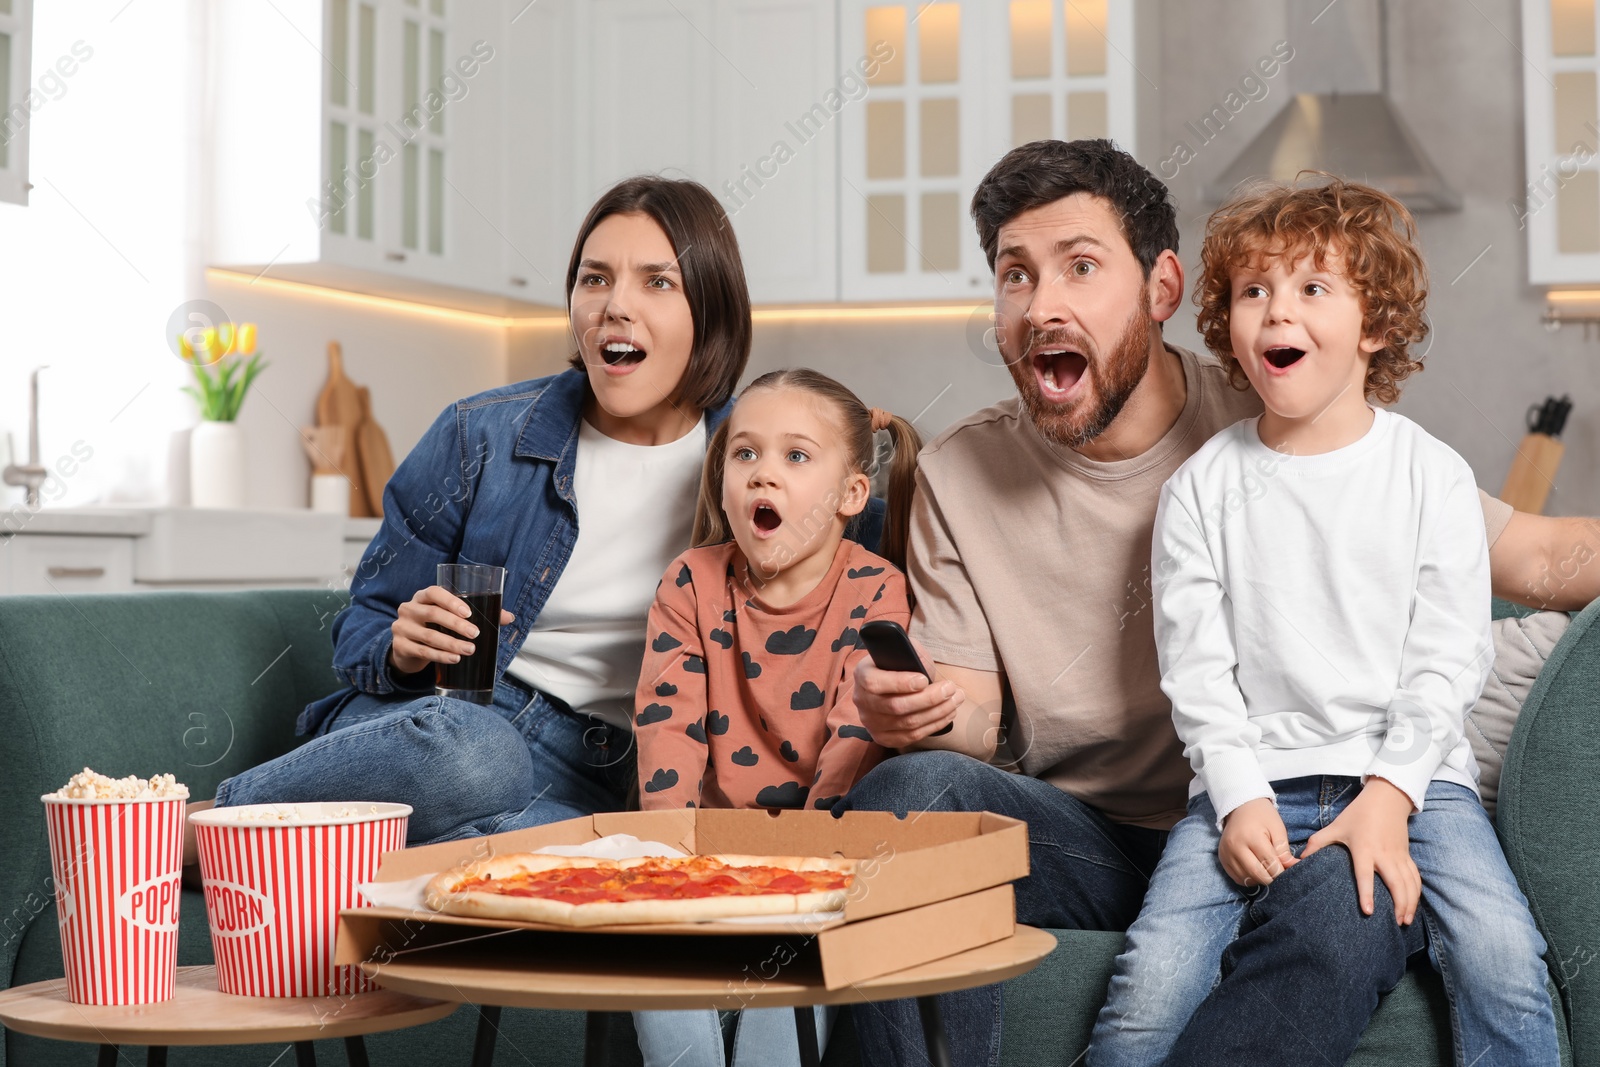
pixel 1324 614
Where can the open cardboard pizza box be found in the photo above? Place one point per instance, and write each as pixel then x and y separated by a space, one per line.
pixel 929 886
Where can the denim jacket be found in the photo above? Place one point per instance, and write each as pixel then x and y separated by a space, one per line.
pixel 490 482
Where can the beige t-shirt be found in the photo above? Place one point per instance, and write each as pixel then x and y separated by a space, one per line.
pixel 1029 559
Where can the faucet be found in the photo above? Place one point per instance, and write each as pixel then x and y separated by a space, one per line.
pixel 32 474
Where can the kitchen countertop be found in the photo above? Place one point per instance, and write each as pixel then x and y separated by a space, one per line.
pixel 109 521
pixel 134 521
pixel 170 546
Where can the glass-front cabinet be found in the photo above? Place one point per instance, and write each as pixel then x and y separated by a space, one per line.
pixel 1560 206
pixel 383 119
pixel 1061 73
pixel 954 85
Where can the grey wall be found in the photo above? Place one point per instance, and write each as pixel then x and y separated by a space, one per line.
pixel 1456 73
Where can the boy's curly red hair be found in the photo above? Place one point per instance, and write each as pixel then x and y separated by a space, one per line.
pixel 1369 230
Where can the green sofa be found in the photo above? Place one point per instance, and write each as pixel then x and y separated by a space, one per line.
pixel 206 684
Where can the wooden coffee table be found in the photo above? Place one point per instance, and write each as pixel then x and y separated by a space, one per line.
pixel 545 971
pixel 198 1014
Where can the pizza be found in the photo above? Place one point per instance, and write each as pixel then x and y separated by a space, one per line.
pixel 585 891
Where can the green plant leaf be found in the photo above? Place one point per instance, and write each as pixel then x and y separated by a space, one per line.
pixel 213 396
pixel 251 369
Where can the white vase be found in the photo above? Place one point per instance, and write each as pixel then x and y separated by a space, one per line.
pixel 216 465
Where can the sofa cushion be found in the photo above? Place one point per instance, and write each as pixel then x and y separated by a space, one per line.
pixel 1547 823
pixel 1522 643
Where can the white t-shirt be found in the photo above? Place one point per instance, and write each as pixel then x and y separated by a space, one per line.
pixel 635 515
pixel 1323 614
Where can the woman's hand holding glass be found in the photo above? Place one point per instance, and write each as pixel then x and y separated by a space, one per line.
pixel 416 645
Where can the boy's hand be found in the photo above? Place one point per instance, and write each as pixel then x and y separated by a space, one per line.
pixel 1255 844
pixel 1374 829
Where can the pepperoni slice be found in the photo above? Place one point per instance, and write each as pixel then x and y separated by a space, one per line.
pixel 788 883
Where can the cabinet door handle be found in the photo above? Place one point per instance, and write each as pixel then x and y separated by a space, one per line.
pixel 76 572
pixel 395 257
pixel 521 283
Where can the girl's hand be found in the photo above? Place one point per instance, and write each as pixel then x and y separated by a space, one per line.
pixel 1374 829
pixel 1255 845
pixel 416 645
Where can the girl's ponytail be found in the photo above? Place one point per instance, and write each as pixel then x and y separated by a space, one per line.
pixel 902 484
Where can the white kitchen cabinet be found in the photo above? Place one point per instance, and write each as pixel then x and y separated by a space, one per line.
pixel 776 143
pixel 910 156
pixel 65 563
pixel 738 100
pixel 1560 208
pixel 118 550
pixel 358 142
pixel 960 83
pixel 1060 69
pixel 843 137
pixel 541 108
pixel 646 78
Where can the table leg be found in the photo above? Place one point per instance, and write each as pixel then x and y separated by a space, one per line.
pixel 594 1039
pixel 305 1054
pixel 355 1052
pixel 805 1028
pixel 156 1056
pixel 488 1030
pixel 108 1056
pixel 933 1031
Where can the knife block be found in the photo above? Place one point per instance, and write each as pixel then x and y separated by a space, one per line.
pixel 1533 473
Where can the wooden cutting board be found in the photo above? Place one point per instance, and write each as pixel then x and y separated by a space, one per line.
pixel 377 463
pixel 339 404
pixel 1533 473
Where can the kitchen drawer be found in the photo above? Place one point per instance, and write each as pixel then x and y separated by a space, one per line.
pixel 62 563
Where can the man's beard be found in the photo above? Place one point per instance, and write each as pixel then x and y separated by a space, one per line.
pixel 1110 381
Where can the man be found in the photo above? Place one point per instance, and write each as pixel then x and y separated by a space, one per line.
pixel 1029 560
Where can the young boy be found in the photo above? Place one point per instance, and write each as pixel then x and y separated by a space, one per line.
pixel 1322 622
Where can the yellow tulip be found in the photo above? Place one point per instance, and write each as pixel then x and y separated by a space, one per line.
pixel 246 345
pixel 212 344
pixel 226 337
pixel 185 349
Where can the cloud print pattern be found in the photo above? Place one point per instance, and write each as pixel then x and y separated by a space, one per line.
pixel 742 705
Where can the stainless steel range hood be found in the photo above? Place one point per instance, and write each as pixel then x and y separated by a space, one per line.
pixel 1357 135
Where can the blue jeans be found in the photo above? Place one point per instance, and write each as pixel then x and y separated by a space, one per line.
pixel 466 769
pixel 763 1037
pixel 1085 872
pixel 1217 974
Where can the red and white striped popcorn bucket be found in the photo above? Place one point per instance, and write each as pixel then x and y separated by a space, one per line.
pixel 117 866
pixel 276 877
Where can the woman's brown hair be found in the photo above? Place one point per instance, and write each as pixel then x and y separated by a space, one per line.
pixel 1370 230
pixel 855 427
pixel 713 277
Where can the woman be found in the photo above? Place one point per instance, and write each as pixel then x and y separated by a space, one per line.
pixel 660 314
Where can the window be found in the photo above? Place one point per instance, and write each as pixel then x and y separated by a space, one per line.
pixel 16 41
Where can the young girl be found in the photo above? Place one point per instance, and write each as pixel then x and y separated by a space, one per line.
pixel 746 696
